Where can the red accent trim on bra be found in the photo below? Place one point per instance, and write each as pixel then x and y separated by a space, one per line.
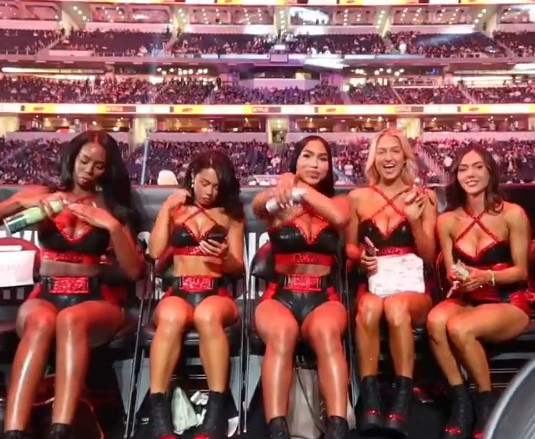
pixel 73 257
pixel 188 251
pixel 304 258
pixel 292 222
pixel 476 220
pixel 188 229
pixel 390 202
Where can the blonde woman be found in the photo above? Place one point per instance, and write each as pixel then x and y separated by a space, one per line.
pixel 390 217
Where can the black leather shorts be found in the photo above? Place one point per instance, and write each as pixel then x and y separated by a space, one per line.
pixel 194 289
pixel 301 294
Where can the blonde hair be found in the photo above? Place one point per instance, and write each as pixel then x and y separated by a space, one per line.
pixel 410 169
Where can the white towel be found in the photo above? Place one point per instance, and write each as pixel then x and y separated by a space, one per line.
pixel 397 274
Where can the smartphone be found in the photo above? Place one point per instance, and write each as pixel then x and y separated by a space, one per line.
pixel 218 234
pixel 370 250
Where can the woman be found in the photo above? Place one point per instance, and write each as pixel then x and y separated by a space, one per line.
pixel 203 223
pixel 301 300
pixel 398 219
pixel 490 239
pixel 71 305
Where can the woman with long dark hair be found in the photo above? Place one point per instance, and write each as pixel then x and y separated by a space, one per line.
pixel 390 218
pixel 71 305
pixel 485 243
pixel 301 300
pixel 203 224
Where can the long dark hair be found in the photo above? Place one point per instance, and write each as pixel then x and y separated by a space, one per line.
pixel 228 193
pixel 325 186
pixel 455 194
pixel 114 182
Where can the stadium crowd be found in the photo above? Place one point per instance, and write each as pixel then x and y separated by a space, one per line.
pixel 34 161
pixel 134 43
pixel 181 90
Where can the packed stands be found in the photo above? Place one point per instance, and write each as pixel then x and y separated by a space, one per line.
pixel 516 158
pixel 35 161
pixel 521 44
pixel 235 94
pixel 190 43
pixel 166 43
pixel 25 42
pixel 115 43
pixel 446 45
pixel 183 90
pixel 350 44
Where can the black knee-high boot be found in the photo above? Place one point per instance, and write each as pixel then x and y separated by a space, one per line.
pixel 370 414
pixel 337 428
pixel 15 434
pixel 60 431
pixel 278 428
pixel 215 422
pixel 484 404
pixel 398 417
pixel 461 419
pixel 161 424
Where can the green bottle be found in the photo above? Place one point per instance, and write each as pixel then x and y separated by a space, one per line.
pixel 28 217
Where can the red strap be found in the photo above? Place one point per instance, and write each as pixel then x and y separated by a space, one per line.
pixel 476 220
pixel 202 210
pixel 389 201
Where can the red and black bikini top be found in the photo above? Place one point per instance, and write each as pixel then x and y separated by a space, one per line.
pixel 54 236
pixel 398 235
pixel 184 240
pixel 497 251
pixel 289 238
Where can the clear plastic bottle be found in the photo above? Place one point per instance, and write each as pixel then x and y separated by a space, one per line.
pixel 272 206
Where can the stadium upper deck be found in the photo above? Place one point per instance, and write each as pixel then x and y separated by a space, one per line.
pixel 283 36
pixel 174 59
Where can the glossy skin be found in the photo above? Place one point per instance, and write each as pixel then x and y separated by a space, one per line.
pixel 77 328
pixel 405 310
pixel 323 327
pixel 452 323
pixel 173 315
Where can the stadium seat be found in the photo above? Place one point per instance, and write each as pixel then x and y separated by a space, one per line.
pixel 161 278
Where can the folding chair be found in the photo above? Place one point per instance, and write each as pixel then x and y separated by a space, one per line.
pixel 159 280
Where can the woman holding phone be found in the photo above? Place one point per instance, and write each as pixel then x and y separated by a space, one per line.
pixel 390 217
pixel 203 225
pixel 485 243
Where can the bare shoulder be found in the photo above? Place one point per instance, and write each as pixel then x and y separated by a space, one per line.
pixel 445 221
pixel 341 200
pixel 358 194
pixel 514 212
pixel 30 191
